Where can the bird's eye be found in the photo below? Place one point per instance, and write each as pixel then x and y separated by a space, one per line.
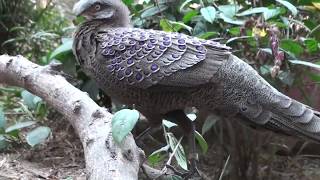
pixel 97 7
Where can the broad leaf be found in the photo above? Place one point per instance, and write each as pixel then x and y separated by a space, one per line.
pixel 229 10
pixel 172 26
pixel 66 47
pixel 157 156
pixel 270 13
pixel 38 135
pixel 252 11
pixel 3 142
pixel 2 119
pixel 128 2
pixel 265 70
pixel 238 38
pixel 30 100
pixel 123 122
pixel 231 20
pixel 202 142
pixel 208 35
pixel 311 44
pixel 185 3
pixel 154 10
pixel 180 155
pixel 209 13
pixel 19 126
pixel 189 15
pixel 209 123
pixel 199 28
pixel 286 77
pixel 267 13
pixel 291 46
pixel 168 124
pixel 192 116
pixel 291 7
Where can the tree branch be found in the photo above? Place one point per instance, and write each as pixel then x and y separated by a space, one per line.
pixel 104 159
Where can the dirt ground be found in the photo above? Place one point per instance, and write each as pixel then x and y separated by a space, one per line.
pixel 61 157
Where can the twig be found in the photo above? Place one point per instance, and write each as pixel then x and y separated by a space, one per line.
pixel 224 168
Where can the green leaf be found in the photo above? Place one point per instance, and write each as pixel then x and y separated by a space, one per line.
pixel 154 10
pixel 252 11
pixel 270 13
pixel 305 63
pixel 189 15
pixel 2 119
pixel 208 35
pixel 291 46
pixel 66 47
pixel 265 70
pixel 209 13
pixel 123 122
pixel 38 135
pixel 157 156
pixel 202 142
pixel 186 2
pixel 166 26
pixel 168 124
pixel 180 155
pixel 238 38
pixel 199 28
pixel 172 26
pixel 286 77
pixel 192 116
pixel 311 44
pixel 19 126
pixel 41 110
pixel 209 123
pixel 163 149
pixel 267 13
pixel 156 159
pixel 229 10
pixel 291 7
pixel 128 2
pixel 314 77
pixel 3 142
pixel 30 100
pixel 235 31
pixel 231 20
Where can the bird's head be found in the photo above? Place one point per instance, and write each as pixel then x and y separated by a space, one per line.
pixel 105 10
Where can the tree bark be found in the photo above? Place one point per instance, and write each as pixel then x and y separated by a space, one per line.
pixel 104 158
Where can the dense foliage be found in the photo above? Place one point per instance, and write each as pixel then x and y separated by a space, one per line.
pixel 281 39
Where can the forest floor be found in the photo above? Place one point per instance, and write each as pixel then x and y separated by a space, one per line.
pixel 61 157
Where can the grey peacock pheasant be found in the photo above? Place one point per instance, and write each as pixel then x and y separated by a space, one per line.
pixel 162 73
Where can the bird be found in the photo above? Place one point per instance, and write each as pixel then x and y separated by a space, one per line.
pixel 162 73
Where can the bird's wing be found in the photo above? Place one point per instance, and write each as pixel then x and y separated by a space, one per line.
pixel 143 58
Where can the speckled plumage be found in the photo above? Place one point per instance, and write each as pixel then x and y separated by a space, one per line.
pixel 161 72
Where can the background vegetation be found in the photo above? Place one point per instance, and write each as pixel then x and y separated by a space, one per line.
pixel 281 39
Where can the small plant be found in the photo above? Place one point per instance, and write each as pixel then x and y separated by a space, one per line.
pixel 27 114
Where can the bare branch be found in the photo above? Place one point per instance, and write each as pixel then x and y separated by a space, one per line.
pixel 104 158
